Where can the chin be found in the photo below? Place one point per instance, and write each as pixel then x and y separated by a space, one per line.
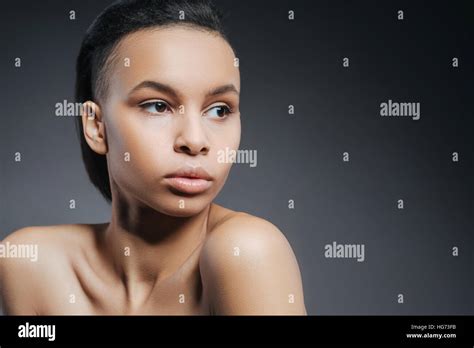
pixel 182 206
pixel 183 213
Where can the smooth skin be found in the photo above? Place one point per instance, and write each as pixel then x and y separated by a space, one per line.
pixel 163 252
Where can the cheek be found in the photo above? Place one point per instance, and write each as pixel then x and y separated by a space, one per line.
pixel 224 143
pixel 134 150
pixel 228 136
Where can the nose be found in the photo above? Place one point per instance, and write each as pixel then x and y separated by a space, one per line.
pixel 191 138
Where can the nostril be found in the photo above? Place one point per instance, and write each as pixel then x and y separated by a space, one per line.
pixel 189 150
pixel 185 148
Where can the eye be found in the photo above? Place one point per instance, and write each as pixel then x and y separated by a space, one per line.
pixel 155 107
pixel 219 111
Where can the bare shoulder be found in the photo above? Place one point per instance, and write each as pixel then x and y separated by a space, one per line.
pixel 248 267
pixel 35 262
pixel 240 229
pixel 51 241
pixel 44 234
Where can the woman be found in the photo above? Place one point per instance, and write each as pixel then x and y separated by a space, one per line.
pixel 160 87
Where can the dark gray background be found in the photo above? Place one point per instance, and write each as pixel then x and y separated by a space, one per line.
pixel 299 156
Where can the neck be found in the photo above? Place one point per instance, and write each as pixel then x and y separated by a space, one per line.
pixel 147 246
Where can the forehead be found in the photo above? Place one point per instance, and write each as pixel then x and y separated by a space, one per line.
pixel 188 59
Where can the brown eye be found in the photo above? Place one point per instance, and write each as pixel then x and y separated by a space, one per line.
pixel 219 111
pixel 155 107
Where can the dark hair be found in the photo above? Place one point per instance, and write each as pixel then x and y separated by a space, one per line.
pixel 116 21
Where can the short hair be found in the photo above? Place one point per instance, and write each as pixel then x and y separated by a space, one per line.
pixel 103 36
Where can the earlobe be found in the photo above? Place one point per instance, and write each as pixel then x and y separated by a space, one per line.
pixel 93 127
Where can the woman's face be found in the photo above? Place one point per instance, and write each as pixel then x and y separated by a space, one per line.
pixel 172 102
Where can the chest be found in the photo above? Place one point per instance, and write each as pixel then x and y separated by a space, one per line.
pixel 86 293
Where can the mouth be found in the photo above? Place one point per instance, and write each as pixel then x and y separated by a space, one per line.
pixel 189 180
pixel 189 185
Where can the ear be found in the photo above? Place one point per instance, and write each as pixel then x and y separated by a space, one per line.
pixel 93 127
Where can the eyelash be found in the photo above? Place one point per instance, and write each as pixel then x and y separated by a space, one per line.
pixel 145 105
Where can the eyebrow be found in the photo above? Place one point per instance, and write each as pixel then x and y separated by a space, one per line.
pixel 162 87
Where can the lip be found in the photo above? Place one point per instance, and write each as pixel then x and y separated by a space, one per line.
pixel 191 180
